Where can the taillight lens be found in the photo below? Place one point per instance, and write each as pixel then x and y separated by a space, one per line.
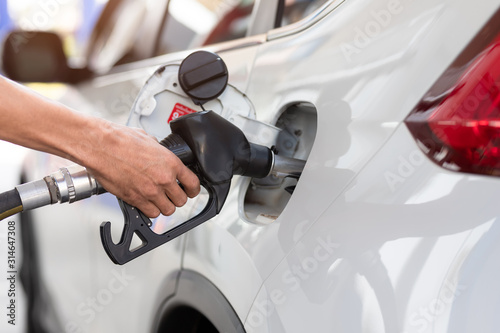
pixel 457 123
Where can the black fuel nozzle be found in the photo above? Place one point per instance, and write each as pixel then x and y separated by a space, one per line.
pixel 215 149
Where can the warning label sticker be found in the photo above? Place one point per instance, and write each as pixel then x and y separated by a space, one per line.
pixel 179 110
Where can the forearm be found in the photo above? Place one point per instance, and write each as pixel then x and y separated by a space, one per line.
pixel 35 122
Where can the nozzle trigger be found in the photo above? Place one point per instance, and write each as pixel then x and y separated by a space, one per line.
pixel 135 222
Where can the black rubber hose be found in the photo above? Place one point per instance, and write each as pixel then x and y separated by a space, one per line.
pixel 10 203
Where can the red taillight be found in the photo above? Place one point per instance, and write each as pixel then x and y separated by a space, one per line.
pixel 457 123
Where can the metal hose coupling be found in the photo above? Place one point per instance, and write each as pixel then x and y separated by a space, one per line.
pixel 68 184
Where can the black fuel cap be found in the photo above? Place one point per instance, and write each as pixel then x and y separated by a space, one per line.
pixel 203 76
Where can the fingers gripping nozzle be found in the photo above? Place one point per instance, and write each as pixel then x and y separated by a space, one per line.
pixel 215 149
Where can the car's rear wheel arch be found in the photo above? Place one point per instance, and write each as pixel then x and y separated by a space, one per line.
pixel 197 306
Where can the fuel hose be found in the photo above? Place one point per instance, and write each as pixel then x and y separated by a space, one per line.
pixel 10 203
pixel 68 184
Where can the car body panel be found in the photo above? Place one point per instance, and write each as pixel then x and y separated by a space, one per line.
pixel 361 101
pixel 383 259
pixel 375 238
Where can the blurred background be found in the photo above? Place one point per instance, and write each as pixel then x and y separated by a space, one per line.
pixel 73 20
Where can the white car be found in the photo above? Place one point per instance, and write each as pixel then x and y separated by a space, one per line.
pixel 392 226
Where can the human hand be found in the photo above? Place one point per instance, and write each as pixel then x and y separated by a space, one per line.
pixel 130 164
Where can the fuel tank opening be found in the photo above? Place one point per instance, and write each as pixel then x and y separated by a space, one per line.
pixel 264 199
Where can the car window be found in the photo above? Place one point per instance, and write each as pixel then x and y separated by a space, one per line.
pixel 126 31
pixel 295 10
pixel 194 23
